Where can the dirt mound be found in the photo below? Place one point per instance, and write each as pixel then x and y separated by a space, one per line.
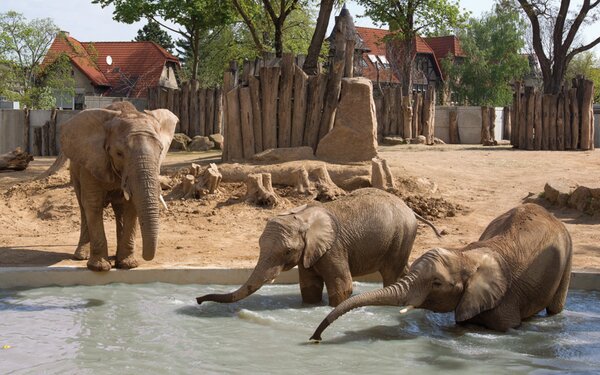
pixel 423 197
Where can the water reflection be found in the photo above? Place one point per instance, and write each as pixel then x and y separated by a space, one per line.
pixel 158 328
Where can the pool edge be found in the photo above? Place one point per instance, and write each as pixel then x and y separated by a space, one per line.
pixel 34 277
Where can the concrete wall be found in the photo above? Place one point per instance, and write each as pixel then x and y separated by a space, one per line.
pixel 103 101
pixel 469 124
pixel 11 129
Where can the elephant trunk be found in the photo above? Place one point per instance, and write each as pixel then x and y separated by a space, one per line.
pixel 262 274
pixel 392 295
pixel 145 189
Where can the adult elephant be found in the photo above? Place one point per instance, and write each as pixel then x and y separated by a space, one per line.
pixel 364 232
pixel 520 266
pixel 115 156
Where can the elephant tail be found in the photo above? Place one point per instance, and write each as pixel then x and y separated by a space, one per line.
pixel 422 219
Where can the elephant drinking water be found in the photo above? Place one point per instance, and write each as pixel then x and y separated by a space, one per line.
pixel 364 232
pixel 520 266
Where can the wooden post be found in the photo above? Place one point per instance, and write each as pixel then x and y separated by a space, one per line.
pixel 37 141
pixel 485 125
pixel 334 81
pixel 228 84
pixel 233 126
pixel 506 124
pixel 492 114
pixel 560 124
pixel 184 119
pixel 567 118
pixel 523 118
pixel 454 135
pixel 45 138
pixel 170 98
pixel 552 123
pixel 516 124
pixel 407 117
pixel 26 131
pixel 417 114
pixel 194 108
pixel 52 133
pixel 545 122
pixel 530 93
pixel 210 111
pixel 349 58
pixel 201 116
pixel 428 114
pixel 379 116
pixel 574 103
pixel 247 123
pixel 299 111
pixel 254 85
pixel 399 118
pixel 587 115
pixel 537 118
pixel 218 111
pixel 316 93
pixel 269 84
pixel 391 110
pixel 177 108
pixel 284 111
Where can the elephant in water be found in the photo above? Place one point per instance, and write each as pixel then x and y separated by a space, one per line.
pixel 115 156
pixel 364 232
pixel 520 266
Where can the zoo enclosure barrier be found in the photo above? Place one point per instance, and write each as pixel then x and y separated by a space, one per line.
pixel 200 110
pixel 564 121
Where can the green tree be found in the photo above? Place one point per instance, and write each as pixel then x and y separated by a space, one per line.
pixel 586 64
pixel 492 45
pixel 406 20
pixel 192 18
pixel 555 27
pixel 151 32
pixel 23 45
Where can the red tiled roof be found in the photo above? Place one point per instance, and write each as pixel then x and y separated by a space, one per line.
pixel 135 65
pixel 374 40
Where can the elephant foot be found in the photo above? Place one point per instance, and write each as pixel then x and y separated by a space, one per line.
pixel 98 264
pixel 82 252
pixel 127 263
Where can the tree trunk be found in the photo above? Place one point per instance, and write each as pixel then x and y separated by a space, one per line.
pixel 312 59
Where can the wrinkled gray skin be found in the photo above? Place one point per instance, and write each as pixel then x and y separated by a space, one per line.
pixel 520 266
pixel 364 232
pixel 115 156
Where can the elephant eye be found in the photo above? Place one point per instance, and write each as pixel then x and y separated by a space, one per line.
pixel 119 153
pixel 437 283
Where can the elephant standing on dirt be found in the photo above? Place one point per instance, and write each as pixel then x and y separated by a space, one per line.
pixel 364 232
pixel 520 266
pixel 115 156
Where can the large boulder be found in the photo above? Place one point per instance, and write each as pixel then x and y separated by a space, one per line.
pixel 200 143
pixel 284 154
pixel 179 142
pixel 581 198
pixel 354 134
pixel 217 139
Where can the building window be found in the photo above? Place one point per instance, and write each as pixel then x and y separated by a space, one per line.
pixel 373 60
pixel 384 61
pixel 362 62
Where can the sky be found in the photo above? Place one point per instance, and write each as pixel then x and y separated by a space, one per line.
pixel 89 22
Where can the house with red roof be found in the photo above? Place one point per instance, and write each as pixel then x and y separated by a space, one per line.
pixel 372 60
pixel 114 69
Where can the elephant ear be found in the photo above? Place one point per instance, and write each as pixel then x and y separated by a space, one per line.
pixel 319 234
pixel 167 122
pixel 294 210
pixel 485 287
pixel 82 140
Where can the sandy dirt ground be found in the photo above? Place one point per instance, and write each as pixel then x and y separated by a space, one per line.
pixel 39 221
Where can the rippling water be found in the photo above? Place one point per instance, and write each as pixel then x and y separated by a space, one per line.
pixel 158 328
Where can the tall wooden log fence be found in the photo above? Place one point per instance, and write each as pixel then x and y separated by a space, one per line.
pixel 274 104
pixel 200 110
pixel 564 121
pixel 405 115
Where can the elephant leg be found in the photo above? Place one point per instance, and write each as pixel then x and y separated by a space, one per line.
pixel 82 251
pixel 558 301
pixel 392 273
pixel 501 318
pixel 338 282
pixel 93 198
pixel 117 208
pixel 311 285
pixel 126 242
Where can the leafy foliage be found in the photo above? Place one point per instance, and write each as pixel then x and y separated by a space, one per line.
pixel 151 32
pixel 23 45
pixel 586 64
pixel 492 45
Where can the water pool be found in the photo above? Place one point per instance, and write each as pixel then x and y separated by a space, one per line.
pixel 158 328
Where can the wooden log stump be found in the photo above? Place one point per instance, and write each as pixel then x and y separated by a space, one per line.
pixel 246 121
pixel 259 190
pixel 537 125
pixel 16 160
pixel 209 109
pixel 187 185
pixel 546 121
pixel 284 112
pixel 406 117
pixel 52 133
pixel 184 107
pixel 492 114
pixel 523 118
pixel 233 139
pixel 530 93
pixel 587 115
pixel 217 127
pixel 381 175
pixel 327 190
pixel 552 123
pixel 316 94
pixel 37 141
pixel 299 111
pixel 386 108
pixel 269 83
pixel 506 123
pixel 209 181
pixel 301 182
pixel 574 103
pixel 254 85
pixel 560 122
pixel 567 118
pixel 485 125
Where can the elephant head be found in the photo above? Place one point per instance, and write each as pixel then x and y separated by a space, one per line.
pixel 301 235
pixel 466 282
pixel 123 148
